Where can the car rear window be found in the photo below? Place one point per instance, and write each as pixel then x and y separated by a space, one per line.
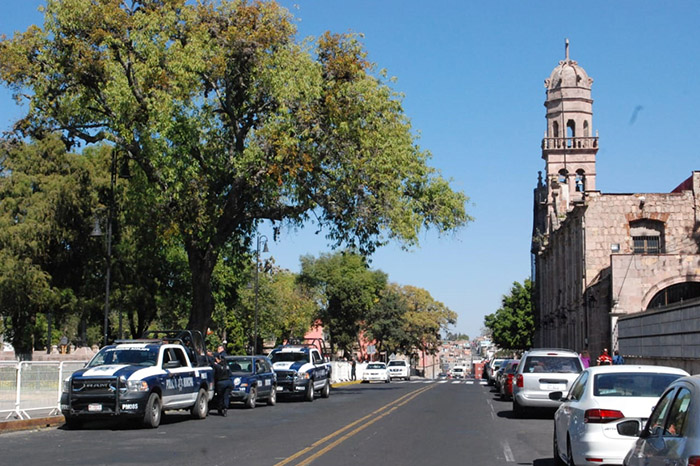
pixel 397 363
pixel 632 384
pixel 556 364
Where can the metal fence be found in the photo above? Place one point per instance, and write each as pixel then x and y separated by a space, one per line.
pixel 33 388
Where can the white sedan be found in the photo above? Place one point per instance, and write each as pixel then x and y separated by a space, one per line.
pixel 376 372
pixel 590 426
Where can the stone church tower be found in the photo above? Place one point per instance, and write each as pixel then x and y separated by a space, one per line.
pixel 610 270
pixel 568 148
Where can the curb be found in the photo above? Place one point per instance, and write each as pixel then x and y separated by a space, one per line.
pixel 345 384
pixel 25 424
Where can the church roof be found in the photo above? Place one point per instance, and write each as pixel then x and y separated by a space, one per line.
pixel 568 74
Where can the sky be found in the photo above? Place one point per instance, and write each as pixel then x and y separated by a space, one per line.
pixel 472 73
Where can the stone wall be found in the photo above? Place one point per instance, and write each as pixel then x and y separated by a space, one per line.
pixel 587 272
pixel 671 332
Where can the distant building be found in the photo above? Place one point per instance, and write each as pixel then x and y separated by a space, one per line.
pixel 598 256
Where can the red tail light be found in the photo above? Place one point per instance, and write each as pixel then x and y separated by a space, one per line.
pixel 601 416
pixel 694 461
pixel 519 380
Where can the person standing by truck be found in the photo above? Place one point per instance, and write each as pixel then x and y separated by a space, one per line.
pixel 224 385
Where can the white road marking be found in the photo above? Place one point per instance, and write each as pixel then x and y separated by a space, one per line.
pixel 442 381
pixel 507 452
pixel 470 382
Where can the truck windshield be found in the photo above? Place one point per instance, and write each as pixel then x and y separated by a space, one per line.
pixel 296 356
pixel 129 356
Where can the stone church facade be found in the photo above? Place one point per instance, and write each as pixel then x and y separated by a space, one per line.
pixel 599 256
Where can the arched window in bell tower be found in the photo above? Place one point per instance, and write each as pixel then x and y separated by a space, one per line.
pixel 555 129
pixel 580 180
pixel 563 176
pixel 586 132
pixel 570 132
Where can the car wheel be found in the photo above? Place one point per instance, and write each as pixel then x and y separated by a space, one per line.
pixel 569 454
pixel 272 401
pixel 555 450
pixel 154 411
pixel 518 410
pixel 309 394
pixel 201 406
pixel 326 391
pixel 408 378
pixel 252 398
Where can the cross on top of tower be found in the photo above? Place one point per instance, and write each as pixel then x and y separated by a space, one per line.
pixel 567 49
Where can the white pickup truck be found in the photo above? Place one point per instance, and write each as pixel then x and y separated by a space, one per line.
pixel 399 369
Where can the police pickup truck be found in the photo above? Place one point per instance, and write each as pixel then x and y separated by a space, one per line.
pixel 139 379
pixel 301 370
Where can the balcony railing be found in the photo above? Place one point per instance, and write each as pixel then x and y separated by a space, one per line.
pixel 570 143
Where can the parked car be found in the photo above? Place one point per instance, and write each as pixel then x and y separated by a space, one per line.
pixel 376 372
pixel 506 384
pixel 491 367
pixel 399 369
pixel 499 375
pixel 540 372
pixel 253 379
pixel 671 436
pixel 601 399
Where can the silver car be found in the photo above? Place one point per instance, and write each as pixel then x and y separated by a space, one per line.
pixel 672 433
pixel 540 372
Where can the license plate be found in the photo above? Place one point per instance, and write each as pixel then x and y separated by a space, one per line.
pixel 94 407
pixel 280 389
pixel 554 387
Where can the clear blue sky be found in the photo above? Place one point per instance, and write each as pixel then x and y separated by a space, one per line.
pixel 473 73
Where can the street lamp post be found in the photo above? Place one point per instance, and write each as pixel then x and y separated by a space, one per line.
pixel 97 232
pixel 260 238
pixel 110 213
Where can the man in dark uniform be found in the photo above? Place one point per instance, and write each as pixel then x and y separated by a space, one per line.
pixel 224 385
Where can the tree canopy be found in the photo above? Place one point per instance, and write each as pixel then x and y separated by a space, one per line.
pixel 512 326
pixel 227 120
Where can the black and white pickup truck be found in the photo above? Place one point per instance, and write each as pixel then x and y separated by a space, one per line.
pixel 301 370
pixel 139 379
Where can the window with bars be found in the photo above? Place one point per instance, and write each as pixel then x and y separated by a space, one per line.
pixel 646 244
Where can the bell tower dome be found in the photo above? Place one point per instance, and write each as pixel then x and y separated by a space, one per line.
pixel 569 149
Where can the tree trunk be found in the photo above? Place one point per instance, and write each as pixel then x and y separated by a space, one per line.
pixel 201 268
pixel 22 338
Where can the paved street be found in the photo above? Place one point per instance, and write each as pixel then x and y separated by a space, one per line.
pixel 409 423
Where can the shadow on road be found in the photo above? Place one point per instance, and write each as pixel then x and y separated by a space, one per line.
pixel 528 414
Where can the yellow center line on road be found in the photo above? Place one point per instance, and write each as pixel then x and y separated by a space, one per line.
pixel 390 407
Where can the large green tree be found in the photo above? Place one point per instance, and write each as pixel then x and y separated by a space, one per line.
pixel 512 326
pixel 347 288
pixel 47 261
pixel 231 122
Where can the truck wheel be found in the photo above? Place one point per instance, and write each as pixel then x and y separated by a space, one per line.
pixel 252 398
pixel 200 407
pixel 73 422
pixel 309 394
pixel 326 390
pixel 272 401
pixel 154 411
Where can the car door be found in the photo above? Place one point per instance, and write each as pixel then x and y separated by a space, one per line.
pixel 179 380
pixel 667 445
pixel 262 380
pixel 648 449
pixel 567 416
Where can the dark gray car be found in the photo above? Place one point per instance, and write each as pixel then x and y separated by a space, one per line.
pixel 672 433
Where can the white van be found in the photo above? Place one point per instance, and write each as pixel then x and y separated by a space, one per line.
pixel 459 372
